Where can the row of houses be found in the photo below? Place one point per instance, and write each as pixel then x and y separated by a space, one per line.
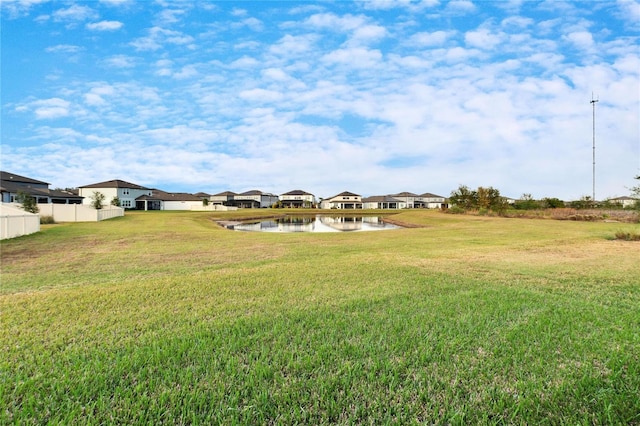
pixel 133 196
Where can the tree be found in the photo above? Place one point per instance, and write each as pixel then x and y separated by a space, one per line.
pixel 115 201
pixel 635 193
pixel 635 190
pixel 205 202
pixel 552 203
pixel 464 198
pixel 28 202
pixel 97 200
pixel 526 202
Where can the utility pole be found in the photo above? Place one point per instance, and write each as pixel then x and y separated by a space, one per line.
pixel 593 105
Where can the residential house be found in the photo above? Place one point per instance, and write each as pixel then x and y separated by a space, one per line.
pixel 126 192
pixel 344 200
pixel 161 200
pixel 223 198
pixel 433 201
pixel 254 199
pixel 202 195
pixel 409 199
pixel 383 202
pixel 625 202
pixel 11 184
pixel 297 198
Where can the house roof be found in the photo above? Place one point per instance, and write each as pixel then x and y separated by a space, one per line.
pixel 224 194
pixel 430 195
pixel 381 199
pixel 256 192
pixel 405 194
pixel 623 198
pixel 12 177
pixel 158 194
pixel 202 194
pixel 15 187
pixel 116 183
pixel 345 194
pixel 297 192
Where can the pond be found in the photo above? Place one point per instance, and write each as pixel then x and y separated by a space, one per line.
pixel 317 223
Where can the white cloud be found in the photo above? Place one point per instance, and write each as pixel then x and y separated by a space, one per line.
pixel 105 26
pixel 435 38
pixel 15 9
pixel 261 95
pixel 414 5
pixel 290 45
pixel 95 97
pixel 48 108
pixel 120 61
pixel 116 3
pixel 460 6
pixel 368 33
pixel 334 22
pixel 252 23
pixel 74 12
pixel 187 71
pixel 245 62
pixel 356 57
pixel 64 48
pixel 483 39
pixel 158 37
pixel 582 40
pixel 630 12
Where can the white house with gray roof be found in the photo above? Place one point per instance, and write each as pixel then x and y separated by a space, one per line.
pixel 297 198
pixel 343 200
pixel 126 192
pixel 254 199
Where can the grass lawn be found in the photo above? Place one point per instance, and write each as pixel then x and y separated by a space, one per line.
pixel 165 317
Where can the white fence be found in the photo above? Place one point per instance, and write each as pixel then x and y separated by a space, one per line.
pixel 79 212
pixel 15 222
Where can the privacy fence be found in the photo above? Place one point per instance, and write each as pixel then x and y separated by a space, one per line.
pixel 15 222
pixel 79 212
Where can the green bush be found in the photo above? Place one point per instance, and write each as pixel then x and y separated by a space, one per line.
pixel 628 235
pixel 46 220
pixel 456 210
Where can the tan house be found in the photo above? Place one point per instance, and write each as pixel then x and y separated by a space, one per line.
pixel 344 200
pixel 625 202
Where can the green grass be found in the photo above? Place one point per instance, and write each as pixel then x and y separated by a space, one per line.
pixel 165 317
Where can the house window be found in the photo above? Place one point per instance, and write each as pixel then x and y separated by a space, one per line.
pixel 125 191
pixel 126 203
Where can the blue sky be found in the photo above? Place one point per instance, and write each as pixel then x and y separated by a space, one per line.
pixel 373 97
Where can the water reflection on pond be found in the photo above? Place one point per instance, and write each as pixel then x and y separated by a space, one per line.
pixel 318 223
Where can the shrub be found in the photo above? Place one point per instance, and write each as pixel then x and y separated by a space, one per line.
pixel 456 210
pixel 46 220
pixel 628 235
pixel 97 200
pixel 28 202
